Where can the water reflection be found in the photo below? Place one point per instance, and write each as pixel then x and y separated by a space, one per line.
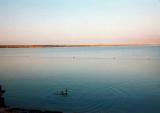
pixel 99 84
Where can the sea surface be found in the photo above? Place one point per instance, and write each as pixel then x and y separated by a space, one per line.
pixel 114 79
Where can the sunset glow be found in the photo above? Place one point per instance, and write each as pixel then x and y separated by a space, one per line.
pixel 79 22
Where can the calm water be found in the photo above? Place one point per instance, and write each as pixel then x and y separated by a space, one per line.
pixel 100 79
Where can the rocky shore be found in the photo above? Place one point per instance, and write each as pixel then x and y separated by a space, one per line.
pixel 20 110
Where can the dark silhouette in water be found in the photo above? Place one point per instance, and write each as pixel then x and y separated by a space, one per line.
pixel 2 102
pixel 63 92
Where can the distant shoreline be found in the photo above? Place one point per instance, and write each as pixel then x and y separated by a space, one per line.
pixel 49 46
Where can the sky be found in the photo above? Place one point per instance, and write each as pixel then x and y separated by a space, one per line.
pixel 79 22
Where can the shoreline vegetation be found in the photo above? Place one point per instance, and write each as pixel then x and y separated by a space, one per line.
pixel 87 45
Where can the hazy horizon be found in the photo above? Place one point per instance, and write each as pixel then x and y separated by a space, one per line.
pixel 79 22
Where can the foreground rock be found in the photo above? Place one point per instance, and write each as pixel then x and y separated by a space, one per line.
pixel 2 102
pixel 19 110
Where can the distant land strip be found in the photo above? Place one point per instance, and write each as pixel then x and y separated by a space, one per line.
pixel 48 46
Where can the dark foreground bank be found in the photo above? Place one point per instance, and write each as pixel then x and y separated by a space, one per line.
pixel 20 110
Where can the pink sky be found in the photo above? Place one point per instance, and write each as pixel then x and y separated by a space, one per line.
pixel 80 22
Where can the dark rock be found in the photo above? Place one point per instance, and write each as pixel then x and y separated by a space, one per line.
pixel 2 102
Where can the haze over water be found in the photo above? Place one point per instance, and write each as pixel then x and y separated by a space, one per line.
pixel 115 79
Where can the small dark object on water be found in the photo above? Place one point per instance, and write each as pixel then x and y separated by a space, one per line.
pixel 63 92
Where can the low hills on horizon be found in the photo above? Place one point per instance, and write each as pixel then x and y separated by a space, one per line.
pixel 80 45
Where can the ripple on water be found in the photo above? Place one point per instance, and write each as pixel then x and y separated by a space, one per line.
pixel 111 97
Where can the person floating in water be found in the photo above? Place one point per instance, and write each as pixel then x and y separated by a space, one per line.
pixel 63 92
pixel 2 102
pixel 66 91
